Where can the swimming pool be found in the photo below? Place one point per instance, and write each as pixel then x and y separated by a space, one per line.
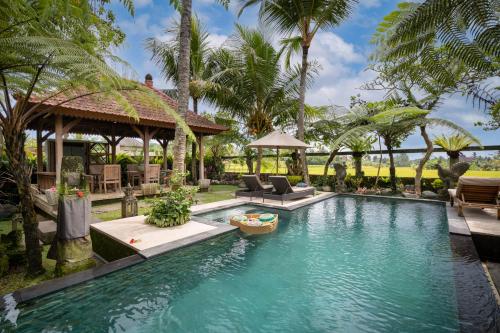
pixel 343 264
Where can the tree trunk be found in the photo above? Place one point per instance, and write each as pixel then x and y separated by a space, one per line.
pixel 329 161
pixel 14 148
pixel 300 120
pixel 454 157
pixel 179 148
pixel 357 164
pixel 420 168
pixel 193 148
pixel 379 162
pixel 249 159
pixel 249 163
pixel 392 168
pixel 259 162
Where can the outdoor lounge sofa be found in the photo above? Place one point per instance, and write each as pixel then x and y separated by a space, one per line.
pixel 254 187
pixel 476 192
pixel 284 191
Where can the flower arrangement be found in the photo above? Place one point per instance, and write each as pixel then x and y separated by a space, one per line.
pixel 79 192
pixel 173 208
pixel 52 196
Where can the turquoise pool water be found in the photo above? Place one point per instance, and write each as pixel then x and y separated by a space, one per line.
pixel 341 265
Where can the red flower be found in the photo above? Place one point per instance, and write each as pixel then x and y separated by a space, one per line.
pixel 132 241
pixel 80 194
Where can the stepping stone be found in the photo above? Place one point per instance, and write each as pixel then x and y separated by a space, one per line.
pixel 47 231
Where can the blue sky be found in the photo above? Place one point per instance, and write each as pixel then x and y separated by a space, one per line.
pixel 342 53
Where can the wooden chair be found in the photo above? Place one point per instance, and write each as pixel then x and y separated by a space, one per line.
pixel 95 171
pixel 153 174
pixel 133 174
pixel 476 192
pixel 111 175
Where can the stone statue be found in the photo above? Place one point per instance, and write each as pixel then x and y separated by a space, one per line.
pixel 293 164
pixel 450 176
pixel 341 173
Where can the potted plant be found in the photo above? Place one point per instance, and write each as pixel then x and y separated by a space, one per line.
pixel 173 208
pixel 52 196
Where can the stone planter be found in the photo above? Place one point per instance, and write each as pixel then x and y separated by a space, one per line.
pixel 149 189
pixel 204 184
pixel 52 197
pixel 326 188
pixel 72 247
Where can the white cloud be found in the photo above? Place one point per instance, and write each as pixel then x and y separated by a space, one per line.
pixel 142 3
pixel 339 90
pixel 333 48
pixel 216 40
pixel 370 3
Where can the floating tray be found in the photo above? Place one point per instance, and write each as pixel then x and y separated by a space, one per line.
pixel 263 228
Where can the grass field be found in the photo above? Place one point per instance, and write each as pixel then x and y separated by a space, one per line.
pixel 369 171
pixel 216 193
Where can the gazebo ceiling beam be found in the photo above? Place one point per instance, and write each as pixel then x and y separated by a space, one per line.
pixel 70 125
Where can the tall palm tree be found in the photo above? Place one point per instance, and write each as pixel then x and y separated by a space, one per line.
pixel 250 84
pixel 165 55
pixel 179 149
pixel 300 20
pixel 453 144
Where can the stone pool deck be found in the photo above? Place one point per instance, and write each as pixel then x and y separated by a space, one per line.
pixel 149 240
pixel 287 205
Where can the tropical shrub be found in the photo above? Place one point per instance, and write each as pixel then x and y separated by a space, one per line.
pixel 173 208
pixel 437 184
pixel 294 180
pixel 214 166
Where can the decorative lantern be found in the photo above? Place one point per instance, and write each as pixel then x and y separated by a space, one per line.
pixel 129 203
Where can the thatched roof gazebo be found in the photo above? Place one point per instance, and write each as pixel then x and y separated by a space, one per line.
pixel 103 116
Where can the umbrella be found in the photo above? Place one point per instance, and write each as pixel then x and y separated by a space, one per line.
pixel 277 140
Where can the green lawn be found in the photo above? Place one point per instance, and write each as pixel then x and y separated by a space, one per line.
pixel 215 193
pixel 17 280
pixel 369 171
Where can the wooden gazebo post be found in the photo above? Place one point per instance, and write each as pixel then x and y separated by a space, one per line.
pixel 146 136
pixel 60 131
pixel 202 158
pixel 164 145
pixel 113 141
pixel 40 139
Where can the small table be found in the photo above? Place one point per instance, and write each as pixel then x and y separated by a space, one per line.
pixel 132 175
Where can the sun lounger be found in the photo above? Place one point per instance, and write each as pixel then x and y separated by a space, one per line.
pixel 476 192
pixel 254 187
pixel 284 191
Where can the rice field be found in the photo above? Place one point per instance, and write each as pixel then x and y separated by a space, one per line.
pixel 369 171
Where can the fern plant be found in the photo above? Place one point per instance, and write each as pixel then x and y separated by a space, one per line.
pixel 468 31
pixel 44 55
pixel 453 145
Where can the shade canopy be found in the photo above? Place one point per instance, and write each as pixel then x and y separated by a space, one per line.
pixel 278 139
